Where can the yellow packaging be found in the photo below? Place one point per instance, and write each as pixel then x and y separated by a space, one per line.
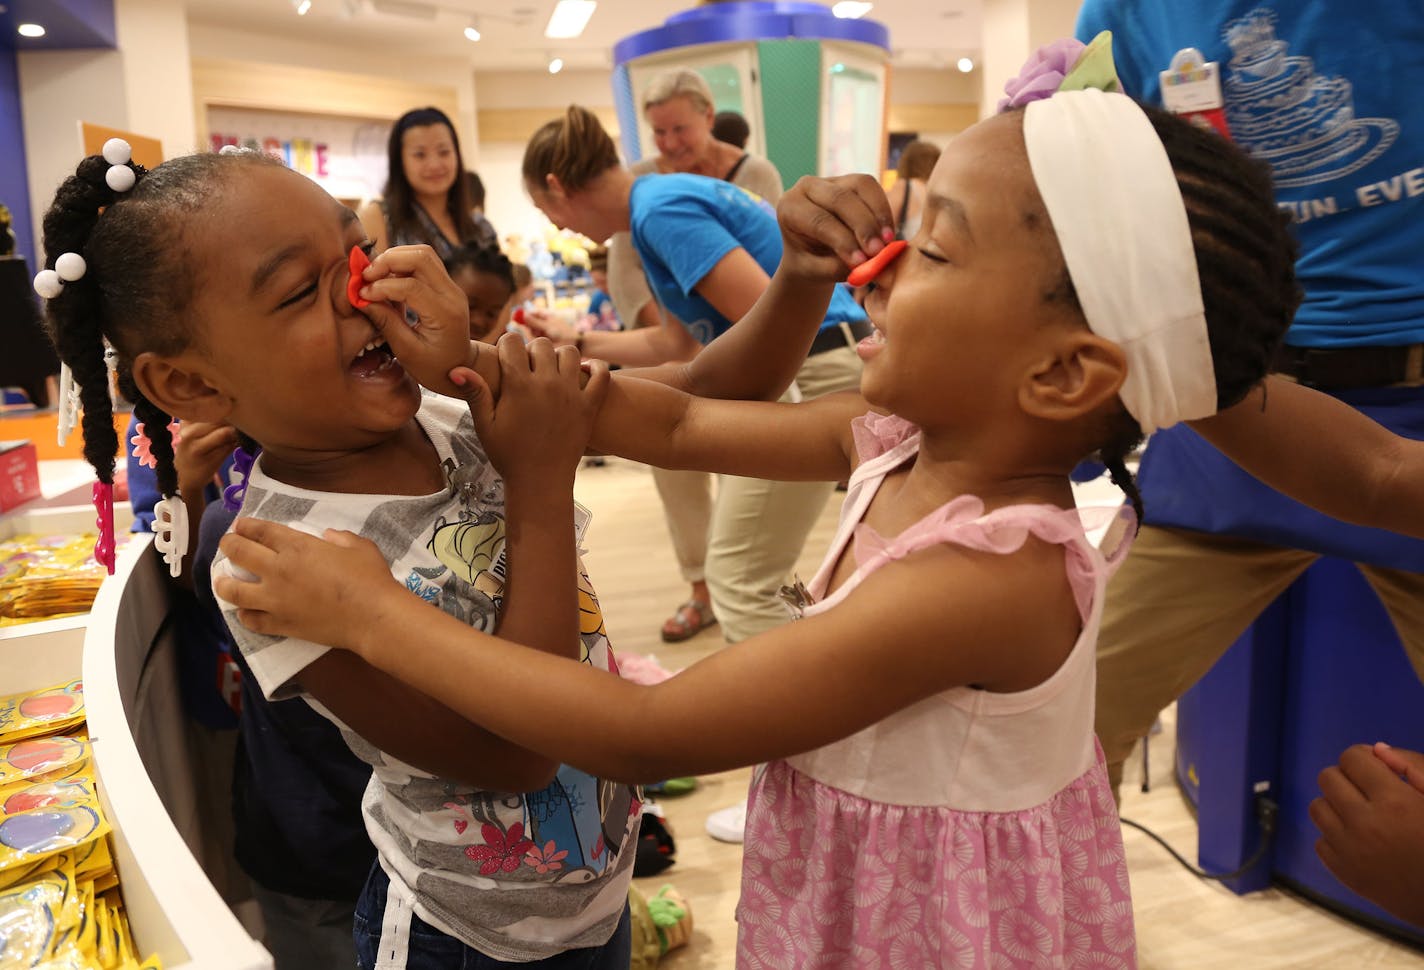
pixel 51 757
pixel 32 918
pixel 51 791
pixel 44 831
pixel 41 712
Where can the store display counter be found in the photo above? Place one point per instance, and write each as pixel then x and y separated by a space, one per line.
pixel 146 768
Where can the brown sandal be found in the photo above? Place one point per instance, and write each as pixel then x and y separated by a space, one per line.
pixel 690 619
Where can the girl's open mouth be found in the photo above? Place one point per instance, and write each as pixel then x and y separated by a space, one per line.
pixel 374 358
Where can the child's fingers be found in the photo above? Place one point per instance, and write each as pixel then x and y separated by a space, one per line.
pixel 542 356
pixel 476 394
pixel 411 290
pixel 1401 761
pixel 514 354
pixel 599 380
pixel 837 216
pixel 1340 792
pixel 248 552
pixel 405 261
pixel 390 324
pixel 1326 819
pixel 568 359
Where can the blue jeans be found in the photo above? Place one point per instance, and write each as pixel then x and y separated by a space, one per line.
pixel 430 949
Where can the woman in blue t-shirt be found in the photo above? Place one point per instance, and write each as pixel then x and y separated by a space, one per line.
pixel 709 249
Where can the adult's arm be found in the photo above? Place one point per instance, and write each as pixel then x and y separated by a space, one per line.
pixel 1325 454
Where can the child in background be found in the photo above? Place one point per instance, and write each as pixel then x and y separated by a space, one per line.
pixel 259 332
pixel 600 314
pixel 934 796
pixel 487 277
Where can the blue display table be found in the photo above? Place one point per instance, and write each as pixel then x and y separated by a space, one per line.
pixel 1322 669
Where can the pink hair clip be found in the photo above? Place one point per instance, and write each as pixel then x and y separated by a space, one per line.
pixel 143 445
pixel 103 494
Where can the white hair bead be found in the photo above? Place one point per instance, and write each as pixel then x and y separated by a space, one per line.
pixel 230 150
pixel 120 178
pixel 70 267
pixel 48 284
pixel 116 151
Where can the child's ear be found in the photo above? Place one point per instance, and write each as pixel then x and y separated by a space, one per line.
pixel 177 386
pixel 1083 372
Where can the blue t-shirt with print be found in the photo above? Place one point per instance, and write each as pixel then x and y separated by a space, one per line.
pixel 1328 95
pixel 683 225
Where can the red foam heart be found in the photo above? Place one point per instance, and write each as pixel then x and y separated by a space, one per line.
pixel 358 263
pixel 872 268
pixel 518 315
pixel 460 826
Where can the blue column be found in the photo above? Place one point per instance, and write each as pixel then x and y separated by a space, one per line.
pixel 14 181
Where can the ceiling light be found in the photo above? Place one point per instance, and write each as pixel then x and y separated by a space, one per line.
pixel 569 18
pixel 30 30
pixel 965 65
pixel 302 6
pixel 556 65
pixel 413 9
pixel 851 9
pixel 472 32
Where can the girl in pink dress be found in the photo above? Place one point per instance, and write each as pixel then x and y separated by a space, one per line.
pixel 1086 270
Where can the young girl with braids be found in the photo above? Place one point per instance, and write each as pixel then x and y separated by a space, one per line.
pixel 487 851
pixel 1087 270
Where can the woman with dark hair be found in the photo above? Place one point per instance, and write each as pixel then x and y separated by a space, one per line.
pixel 907 195
pixel 427 199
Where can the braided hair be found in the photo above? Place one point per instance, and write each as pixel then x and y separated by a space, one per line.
pixel 135 291
pixel 482 259
pixel 1245 261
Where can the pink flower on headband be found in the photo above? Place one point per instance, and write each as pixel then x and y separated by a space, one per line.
pixel 1042 74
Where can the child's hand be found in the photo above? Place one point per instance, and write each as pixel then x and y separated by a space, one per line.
pixel 413 278
pixel 326 591
pixel 830 225
pixel 1371 823
pixel 539 427
pixel 202 447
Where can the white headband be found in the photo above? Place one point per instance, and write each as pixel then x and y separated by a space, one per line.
pixel 1116 207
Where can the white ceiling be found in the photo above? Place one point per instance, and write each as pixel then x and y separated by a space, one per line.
pixel 923 33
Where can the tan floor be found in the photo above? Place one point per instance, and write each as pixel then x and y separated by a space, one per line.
pixel 1182 922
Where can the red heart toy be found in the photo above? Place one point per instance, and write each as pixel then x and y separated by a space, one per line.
pixel 358 263
pixel 872 268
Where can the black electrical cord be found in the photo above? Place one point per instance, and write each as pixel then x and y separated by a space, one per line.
pixel 1266 810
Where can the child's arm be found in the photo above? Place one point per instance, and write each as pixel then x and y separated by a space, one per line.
pixel 1325 454
pixel 536 435
pixel 416 728
pixel 935 619
pixel 827 225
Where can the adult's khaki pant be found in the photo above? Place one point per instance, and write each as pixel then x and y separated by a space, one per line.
pixel 1180 599
pixel 745 541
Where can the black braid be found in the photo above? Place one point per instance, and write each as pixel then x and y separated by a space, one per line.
pixel 136 288
pixel 155 427
pixel 1245 252
pixel 76 315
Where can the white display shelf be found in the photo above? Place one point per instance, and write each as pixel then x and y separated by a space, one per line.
pixel 123 649
pixel 136 718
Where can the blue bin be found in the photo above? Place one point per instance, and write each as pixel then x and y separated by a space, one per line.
pixel 1322 669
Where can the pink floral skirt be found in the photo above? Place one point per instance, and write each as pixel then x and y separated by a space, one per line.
pixel 833 880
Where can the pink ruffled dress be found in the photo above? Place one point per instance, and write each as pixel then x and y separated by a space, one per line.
pixel 971 830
